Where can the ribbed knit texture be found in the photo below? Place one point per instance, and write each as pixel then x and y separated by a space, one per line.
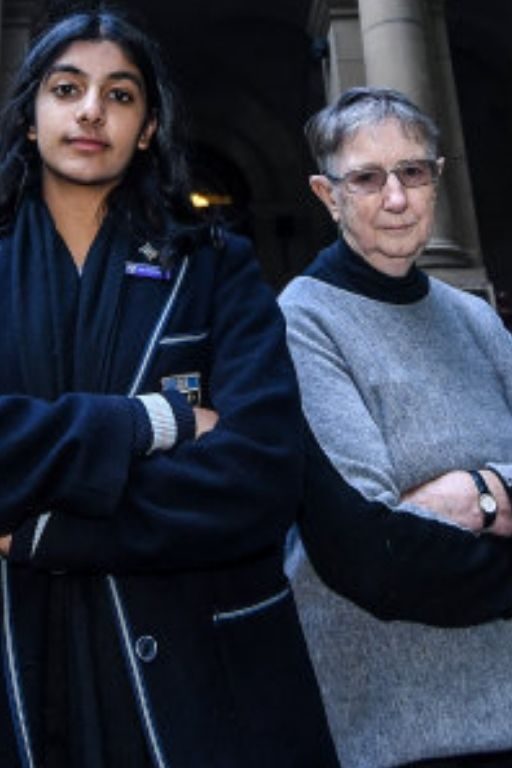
pixel 163 422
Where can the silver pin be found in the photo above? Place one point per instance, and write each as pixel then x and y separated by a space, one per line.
pixel 149 251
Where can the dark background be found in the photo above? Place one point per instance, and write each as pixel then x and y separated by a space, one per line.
pixel 250 75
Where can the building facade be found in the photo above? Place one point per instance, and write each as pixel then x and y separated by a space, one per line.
pixel 251 73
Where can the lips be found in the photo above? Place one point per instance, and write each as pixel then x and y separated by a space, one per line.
pixel 401 225
pixel 87 143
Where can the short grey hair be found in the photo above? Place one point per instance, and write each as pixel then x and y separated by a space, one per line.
pixel 327 130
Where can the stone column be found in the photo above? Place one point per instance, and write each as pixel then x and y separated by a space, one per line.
pixel 405 47
pixel 338 22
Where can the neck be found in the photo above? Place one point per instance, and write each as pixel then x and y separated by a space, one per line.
pixel 77 212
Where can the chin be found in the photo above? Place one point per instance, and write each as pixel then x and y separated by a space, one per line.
pixel 391 261
pixel 402 251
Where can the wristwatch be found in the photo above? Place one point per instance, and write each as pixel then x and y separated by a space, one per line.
pixel 487 502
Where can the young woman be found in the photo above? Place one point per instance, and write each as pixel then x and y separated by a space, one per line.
pixel 149 462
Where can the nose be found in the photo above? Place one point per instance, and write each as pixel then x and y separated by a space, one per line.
pixel 394 194
pixel 91 109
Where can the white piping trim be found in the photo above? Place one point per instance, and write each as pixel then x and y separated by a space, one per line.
pixel 111 581
pixel 141 693
pixel 12 670
pixel 158 329
pixel 249 610
pixel 167 341
pixel 42 522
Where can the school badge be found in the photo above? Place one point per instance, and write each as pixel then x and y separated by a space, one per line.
pixel 189 384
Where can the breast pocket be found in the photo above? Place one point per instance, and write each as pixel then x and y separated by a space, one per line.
pixel 183 362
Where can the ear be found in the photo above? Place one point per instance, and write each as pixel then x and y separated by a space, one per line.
pixel 147 133
pixel 325 191
pixel 32 133
pixel 440 165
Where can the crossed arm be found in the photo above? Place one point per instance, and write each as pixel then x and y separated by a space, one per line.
pixel 227 495
pixel 205 421
pixel 454 496
pixel 351 436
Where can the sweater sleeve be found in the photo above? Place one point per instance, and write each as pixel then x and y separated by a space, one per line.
pixel 73 453
pixel 49 454
pixel 490 330
pixel 393 559
pixel 231 493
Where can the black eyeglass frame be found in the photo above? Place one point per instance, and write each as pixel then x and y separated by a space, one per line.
pixel 398 170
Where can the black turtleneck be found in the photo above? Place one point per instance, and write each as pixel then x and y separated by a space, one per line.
pixel 342 267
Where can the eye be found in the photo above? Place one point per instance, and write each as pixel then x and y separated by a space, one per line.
pixel 366 180
pixel 64 90
pixel 365 177
pixel 413 170
pixel 121 95
pixel 416 173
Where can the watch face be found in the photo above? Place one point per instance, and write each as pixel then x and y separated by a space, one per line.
pixel 488 503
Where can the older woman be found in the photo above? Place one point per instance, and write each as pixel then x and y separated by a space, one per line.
pixel 407 390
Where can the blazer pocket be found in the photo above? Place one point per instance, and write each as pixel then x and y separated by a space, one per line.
pixel 253 609
pixel 178 339
pixel 183 361
pixel 269 679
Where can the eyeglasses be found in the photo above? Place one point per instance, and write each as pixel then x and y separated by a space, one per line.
pixel 366 181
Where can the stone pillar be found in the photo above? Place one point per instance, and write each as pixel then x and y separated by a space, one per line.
pixel 338 22
pixel 405 47
pixel 457 179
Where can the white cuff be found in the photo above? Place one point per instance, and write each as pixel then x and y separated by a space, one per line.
pixel 163 421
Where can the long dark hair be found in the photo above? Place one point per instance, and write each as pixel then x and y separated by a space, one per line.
pixel 156 182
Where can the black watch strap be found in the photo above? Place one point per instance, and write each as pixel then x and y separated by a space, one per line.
pixel 487 501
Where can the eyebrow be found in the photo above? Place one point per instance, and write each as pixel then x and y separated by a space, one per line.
pixel 114 76
pixel 373 166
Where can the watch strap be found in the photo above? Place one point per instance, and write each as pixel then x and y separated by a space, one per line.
pixel 483 489
pixel 479 481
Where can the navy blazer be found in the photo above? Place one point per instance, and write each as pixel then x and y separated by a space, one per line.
pixel 187 544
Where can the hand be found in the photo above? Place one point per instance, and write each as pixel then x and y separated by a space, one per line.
pixel 452 495
pixel 455 497
pixel 206 419
pixel 5 545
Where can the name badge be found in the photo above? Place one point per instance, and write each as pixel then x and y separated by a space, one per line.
pixel 147 271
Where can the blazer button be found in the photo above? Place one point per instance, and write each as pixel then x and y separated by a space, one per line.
pixel 146 648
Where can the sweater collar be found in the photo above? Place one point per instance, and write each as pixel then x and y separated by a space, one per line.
pixel 339 265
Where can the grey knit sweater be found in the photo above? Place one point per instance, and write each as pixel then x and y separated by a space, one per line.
pixel 402 380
